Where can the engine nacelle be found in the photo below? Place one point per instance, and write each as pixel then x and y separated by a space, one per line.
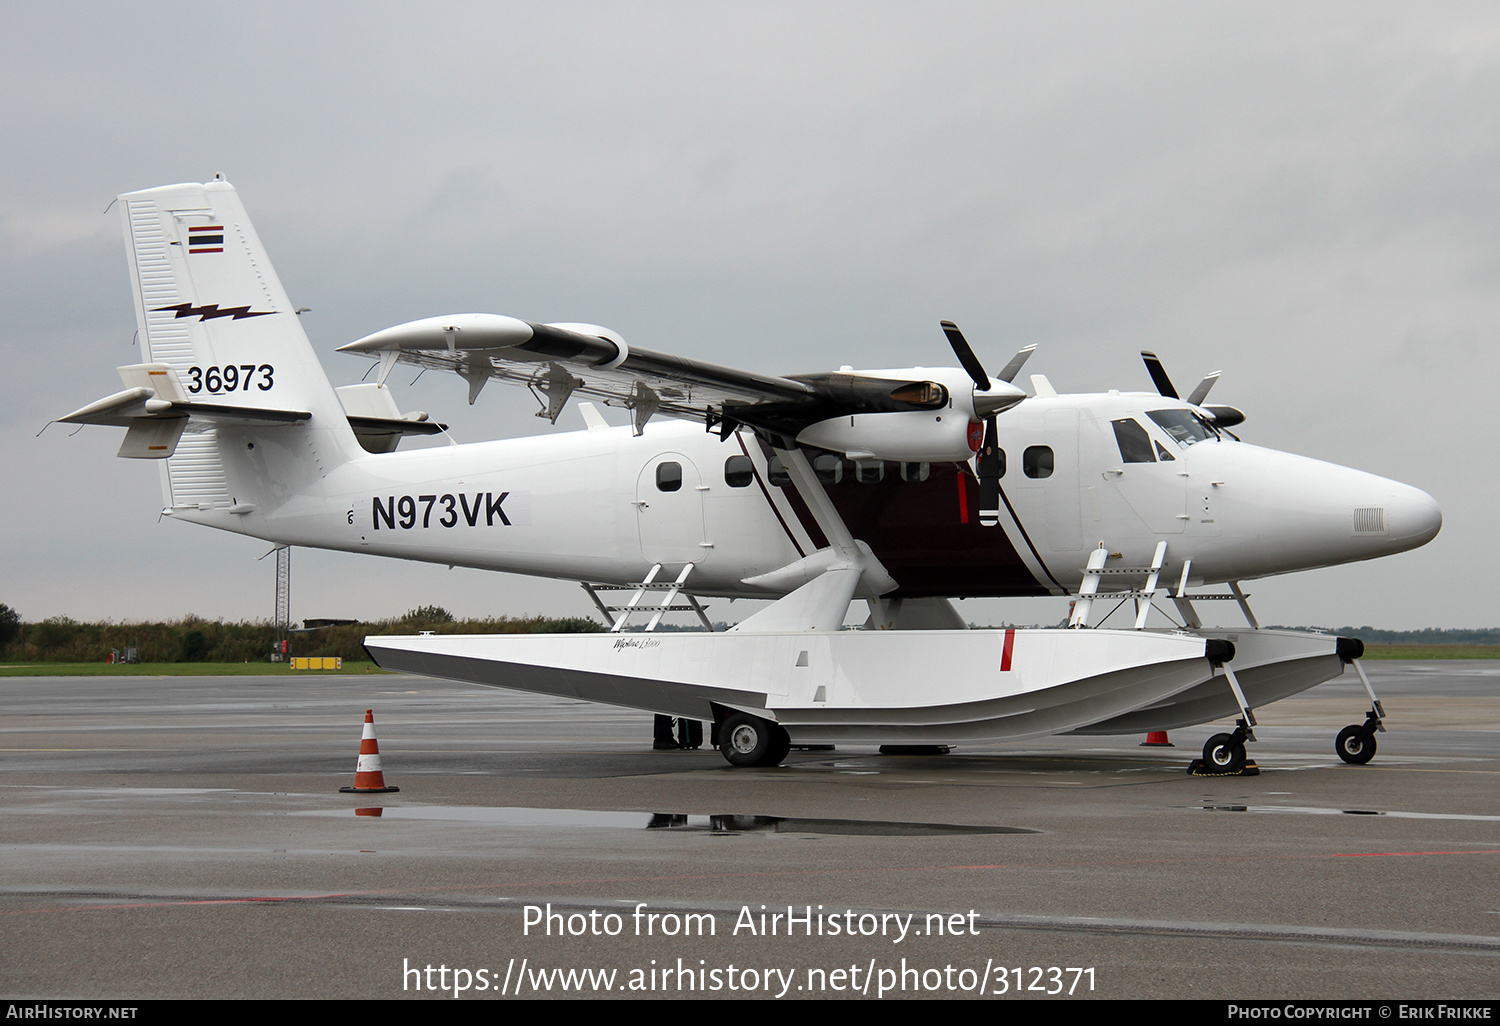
pixel 918 436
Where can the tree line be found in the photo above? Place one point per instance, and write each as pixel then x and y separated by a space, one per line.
pixel 60 639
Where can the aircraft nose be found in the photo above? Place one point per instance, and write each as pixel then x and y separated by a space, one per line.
pixel 1414 516
pixel 1388 517
pixel 1327 514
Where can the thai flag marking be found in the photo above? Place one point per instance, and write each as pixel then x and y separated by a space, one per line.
pixel 206 238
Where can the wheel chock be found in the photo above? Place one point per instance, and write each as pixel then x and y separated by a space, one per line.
pixel 1198 768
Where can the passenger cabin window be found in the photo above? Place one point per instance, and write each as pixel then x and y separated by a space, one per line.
pixel 869 471
pixel 668 477
pixel 1036 461
pixel 1135 444
pixel 999 458
pixel 738 472
pixel 776 473
pixel 829 468
pixel 915 472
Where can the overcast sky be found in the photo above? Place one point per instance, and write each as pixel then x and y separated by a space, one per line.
pixel 1303 195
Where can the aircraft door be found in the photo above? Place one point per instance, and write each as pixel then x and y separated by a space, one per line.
pixel 669 510
pixel 1147 475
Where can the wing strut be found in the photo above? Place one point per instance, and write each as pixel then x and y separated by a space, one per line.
pixel 845 568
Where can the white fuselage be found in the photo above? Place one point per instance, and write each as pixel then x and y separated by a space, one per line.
pixel 588 505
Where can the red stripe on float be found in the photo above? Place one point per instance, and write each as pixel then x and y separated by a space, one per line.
pixel 1010 645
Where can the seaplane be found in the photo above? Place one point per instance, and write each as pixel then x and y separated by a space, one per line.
pixel 902 489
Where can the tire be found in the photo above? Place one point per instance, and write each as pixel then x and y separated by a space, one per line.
pixel 781 745
pixel 1223 754
pixel 1353 748
pixel 747 740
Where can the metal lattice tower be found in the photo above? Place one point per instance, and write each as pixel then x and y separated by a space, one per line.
pixel 283 599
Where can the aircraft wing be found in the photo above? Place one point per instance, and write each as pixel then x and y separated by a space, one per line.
pixel 559 361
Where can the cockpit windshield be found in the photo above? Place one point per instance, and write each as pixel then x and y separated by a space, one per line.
pixel 1185 426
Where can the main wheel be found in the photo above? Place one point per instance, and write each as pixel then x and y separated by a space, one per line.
pixel 1223 754
pixel 747 740
pixel 1353 748
pixel 781 745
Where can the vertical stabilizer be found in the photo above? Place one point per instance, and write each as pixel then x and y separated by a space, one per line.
pixel 210 307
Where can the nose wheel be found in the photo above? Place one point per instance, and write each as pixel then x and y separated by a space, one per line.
pixel 1356 742
pixel 1224 755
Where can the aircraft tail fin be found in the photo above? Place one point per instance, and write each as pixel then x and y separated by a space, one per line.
pixel 213 315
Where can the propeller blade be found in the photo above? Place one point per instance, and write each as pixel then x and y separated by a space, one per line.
pixel 1016 363
pixel 1159 375
pixel 1201 392
pixel 966 357
pixel 989 475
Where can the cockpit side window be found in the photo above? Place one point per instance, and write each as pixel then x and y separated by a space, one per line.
pixel 1163 455
pixel 1135 444
pixel 1185 426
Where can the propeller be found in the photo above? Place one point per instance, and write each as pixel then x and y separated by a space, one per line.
pixel 988 401
pixel 1223 416
pixel 966 358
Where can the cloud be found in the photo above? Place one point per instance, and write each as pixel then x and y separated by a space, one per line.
pixel 1301 196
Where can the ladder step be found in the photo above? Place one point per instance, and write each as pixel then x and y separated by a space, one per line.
pixel 634 587
pixel 620 615
pixel 652 609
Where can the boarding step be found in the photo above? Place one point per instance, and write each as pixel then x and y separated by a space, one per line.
pixel 1096 570
pixel 619 616
pixel 1143 598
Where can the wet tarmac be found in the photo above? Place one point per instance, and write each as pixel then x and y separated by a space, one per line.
pixel 184 837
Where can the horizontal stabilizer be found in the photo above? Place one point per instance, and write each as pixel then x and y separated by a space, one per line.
pixel 116 410
pixel 396 425
pixel 154 410
pixel 243 414
pixel 378 423
pixel 124 408
pixel 152 438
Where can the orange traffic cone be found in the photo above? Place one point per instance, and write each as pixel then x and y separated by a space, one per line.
pixel 1157 739
pixel 368 779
